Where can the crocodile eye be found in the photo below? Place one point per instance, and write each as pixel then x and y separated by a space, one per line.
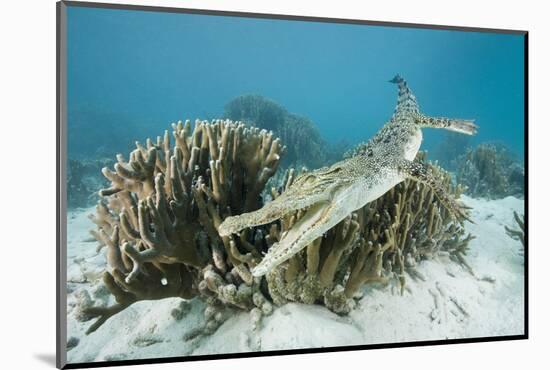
pixel 336 170
pixel 309 179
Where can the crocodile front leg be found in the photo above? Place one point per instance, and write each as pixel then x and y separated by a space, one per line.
pixel 419 172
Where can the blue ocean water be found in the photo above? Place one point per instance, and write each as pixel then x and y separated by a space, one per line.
pixel 132 69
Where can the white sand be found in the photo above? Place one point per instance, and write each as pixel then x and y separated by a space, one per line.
pixel 450 303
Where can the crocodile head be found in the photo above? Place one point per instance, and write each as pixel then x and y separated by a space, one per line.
pixel 324 197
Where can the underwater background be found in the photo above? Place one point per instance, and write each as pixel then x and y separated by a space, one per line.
pixel 145 229
pixel 131 73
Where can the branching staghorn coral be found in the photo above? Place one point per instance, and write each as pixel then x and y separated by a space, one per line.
pixel 158 220
pixel 450 150
pixel 376 244
pixel 515 233
pixel 411 217
pixel 491 171
pixel 311 276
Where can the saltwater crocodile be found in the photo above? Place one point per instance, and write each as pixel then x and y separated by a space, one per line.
pixel 330 194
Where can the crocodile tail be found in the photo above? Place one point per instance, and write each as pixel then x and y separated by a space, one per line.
pixel 406 101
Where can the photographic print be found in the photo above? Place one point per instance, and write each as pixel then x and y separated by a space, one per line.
pixel 239 184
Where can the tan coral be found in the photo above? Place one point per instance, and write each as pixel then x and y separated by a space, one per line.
pixel 159 218
pixel 517 234
pixel 379 243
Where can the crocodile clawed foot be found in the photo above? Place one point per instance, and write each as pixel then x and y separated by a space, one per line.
pixel 467 127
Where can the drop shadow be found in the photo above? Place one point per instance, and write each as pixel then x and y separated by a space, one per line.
pixel 46 358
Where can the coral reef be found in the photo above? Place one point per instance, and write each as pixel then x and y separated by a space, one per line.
pixel 190 219
pixel 517 234
pixel 413 218
pixel 450 149
pixel 309 277
pixel 305 147
pixel 491 171
pixel 143 217
pixel 158 220
pixel 322 202
pixel 379 243
pixel 330 194
pixel 84 180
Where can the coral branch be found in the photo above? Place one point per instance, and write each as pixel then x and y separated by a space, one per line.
pixel 160 216
pixel 379 242
pixel 517 234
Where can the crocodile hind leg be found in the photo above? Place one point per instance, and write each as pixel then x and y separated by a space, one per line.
pixel 463 126
pixel 419 172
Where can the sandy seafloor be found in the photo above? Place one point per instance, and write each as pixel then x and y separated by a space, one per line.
pixel 449 303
